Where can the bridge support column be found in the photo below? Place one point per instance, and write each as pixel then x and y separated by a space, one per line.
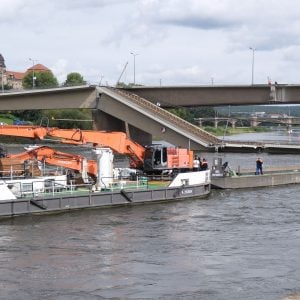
pixel 233 122
pixel 216 122
pixel 254 122
pixel 104 121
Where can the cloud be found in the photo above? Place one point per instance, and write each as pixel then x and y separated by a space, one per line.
pixel 267 24
pixel 90 4
pixel 178 41
pixel 60 70
pixel 187 75
pixel 9 9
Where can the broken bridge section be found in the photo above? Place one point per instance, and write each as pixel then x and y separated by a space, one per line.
pixel 141 115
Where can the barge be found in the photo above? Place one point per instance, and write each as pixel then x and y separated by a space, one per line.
pixel 254 181
pixel 225 178
pixel 53 193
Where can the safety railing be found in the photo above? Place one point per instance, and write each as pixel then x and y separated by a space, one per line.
pixel 165 115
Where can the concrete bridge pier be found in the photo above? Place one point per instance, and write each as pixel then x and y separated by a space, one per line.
pixel 254 122
pixel 233 123
pixel 106 122
pixel 216 123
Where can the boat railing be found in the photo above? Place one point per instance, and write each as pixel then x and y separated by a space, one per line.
pixel 243 171
pixel 53 187
pixel 269 169
pixel 124 182
pixel 19 171
pixel 44 188
pixel 137 182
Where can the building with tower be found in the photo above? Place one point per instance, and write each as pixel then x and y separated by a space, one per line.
pixel 13 79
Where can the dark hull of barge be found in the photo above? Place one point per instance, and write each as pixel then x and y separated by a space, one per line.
pixel 89 199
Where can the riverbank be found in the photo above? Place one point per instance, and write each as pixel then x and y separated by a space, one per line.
pixel 231 131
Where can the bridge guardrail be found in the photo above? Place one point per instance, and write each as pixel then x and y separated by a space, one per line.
pixel 205 136
pixel 208 139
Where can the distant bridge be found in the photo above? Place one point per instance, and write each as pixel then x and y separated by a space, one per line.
pixel 165 96
pixel 254 120
pixel 218 95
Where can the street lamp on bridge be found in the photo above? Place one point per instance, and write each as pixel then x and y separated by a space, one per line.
pixel 134 55
pixel 33 76
pixel 253 52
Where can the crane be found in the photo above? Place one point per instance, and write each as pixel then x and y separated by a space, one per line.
pixel 151 159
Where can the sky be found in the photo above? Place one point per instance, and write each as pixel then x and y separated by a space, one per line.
pixel 172 42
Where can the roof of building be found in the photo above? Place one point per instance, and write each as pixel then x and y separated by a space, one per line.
pixel 16 75
pixel 38 67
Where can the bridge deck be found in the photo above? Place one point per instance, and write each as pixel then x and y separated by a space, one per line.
pixel 272 147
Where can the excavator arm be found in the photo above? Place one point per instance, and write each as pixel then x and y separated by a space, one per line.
pixel 117 141
pixel 57 158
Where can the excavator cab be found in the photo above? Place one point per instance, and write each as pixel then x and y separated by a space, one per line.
pixel 156 159
pixel 159 159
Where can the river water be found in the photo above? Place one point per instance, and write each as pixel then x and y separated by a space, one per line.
pixel 240 244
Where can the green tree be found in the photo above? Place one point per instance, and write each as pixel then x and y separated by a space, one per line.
pixel 74 79
pixel 69 118
pixel 121 84
pixel 190 114
pixel 183 113
pixel 44 79
pixel 33 116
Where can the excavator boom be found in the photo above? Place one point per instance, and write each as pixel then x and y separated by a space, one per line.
pixel 117 141
pixel 56 158
pixel 151 159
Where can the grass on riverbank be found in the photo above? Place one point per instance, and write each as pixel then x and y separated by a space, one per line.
pixel 229 131
pixel 7 119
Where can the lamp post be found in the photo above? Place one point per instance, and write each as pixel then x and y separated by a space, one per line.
pixel 253 52
pixel 33 77
pixel 101 77
pixel 2 80
pixel 134 55
pixel 2 68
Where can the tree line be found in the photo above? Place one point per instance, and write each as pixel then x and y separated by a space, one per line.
pixel 67 118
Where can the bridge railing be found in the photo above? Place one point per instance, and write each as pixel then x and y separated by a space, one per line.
pixel 164 114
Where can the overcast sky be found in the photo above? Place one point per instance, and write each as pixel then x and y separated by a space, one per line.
pixel 190 42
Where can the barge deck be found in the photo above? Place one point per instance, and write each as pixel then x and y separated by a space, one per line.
pixel 271 177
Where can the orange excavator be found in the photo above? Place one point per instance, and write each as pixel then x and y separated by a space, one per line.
pixel 56 158
pixel 150 159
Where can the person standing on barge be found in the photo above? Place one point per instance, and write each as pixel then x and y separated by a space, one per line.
pixel 259 164
pixel 196 164
pixel 203 164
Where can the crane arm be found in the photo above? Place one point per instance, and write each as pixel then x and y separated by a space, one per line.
pixel 57 158
pixel 32 132
pixel 117 141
